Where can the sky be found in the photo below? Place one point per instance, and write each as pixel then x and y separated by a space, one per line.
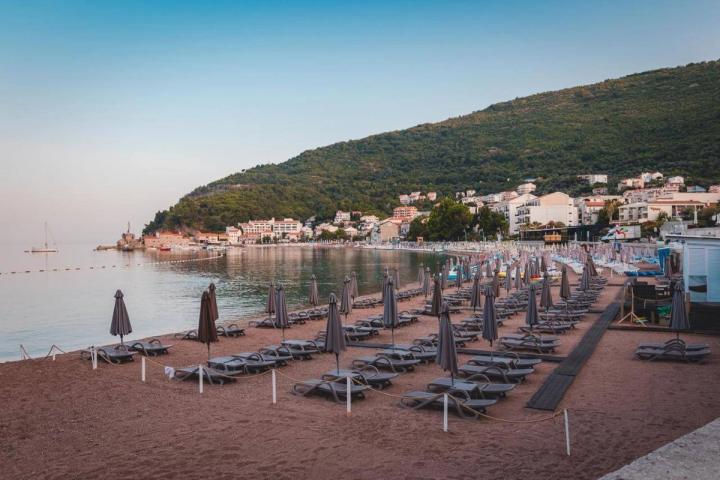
pixel 112 110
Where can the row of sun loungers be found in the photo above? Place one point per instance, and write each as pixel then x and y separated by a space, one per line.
pixel 125 353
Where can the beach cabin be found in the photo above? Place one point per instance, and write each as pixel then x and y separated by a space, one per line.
pixel 701 276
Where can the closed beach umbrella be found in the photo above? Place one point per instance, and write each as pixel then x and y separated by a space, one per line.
pixel 436 298
pixel 314 296
pixel 213 302
pixel 345 300
pixel 518 278
pixel 334 333
pixel 543 266
pixel 270 303
pixel 396 278
pixel 508 279
pixel 591 266
pixel 354 285
pixel 526 276
pixel 564 284
pixel 207 333
pixel 281 314
pixel 678 315
pixel 489 331
pixel 458 277
pixel 476 293
pixel 585 279
pixel 496 283
pixel 390 311
pixel 531 315
pixel 426 282
pixel 488 270
pixel 444 276
pixel 421 274
pixel 446 355
pixel 384 282
pixel 546 300
pixel 120 323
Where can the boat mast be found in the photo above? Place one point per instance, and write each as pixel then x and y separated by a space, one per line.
pixel 46 244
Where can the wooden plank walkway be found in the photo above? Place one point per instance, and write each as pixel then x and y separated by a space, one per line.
pixel 552 391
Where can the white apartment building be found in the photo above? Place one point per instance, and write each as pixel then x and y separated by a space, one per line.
pixel 509 209
pixel 285 228
pixel 676 180
pixel 673 206
pixel 593 178
pixel 553 207
pixel 341 216
pixel 526 188
pixel 432 196
pixel 589 207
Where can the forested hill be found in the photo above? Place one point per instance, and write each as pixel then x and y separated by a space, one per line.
pixel 667 120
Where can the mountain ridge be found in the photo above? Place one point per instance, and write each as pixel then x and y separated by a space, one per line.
pixel 666 119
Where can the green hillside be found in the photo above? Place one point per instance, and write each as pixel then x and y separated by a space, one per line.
pixel 667 120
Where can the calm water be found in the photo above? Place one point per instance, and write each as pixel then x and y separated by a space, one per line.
pixel 73 308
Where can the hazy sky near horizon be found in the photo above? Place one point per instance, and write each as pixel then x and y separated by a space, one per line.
pixel 110 111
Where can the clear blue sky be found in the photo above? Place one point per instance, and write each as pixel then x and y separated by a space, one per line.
pixel 110 111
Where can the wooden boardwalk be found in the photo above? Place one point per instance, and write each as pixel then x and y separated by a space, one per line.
pixel 552 391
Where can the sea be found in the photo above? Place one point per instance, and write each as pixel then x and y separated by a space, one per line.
pixel 67 298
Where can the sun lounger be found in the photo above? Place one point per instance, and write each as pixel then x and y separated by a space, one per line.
pixel 529 342
pixel 672 353
pixel 335 389
pixel 301 349
pixel 280 354
pixel 500 360
pixel 384 362
pixel 265 323
pixel 414 352
pixel 110 354
pixel 230 330
pixel 210 375
pixel 547 327
pixel 262 359
pixel 460 403
pixel 431 341
pixel 151 348
pixel 674 341
pixel 496 372
pixel 367 375
pixel 189 335
pixel 477 386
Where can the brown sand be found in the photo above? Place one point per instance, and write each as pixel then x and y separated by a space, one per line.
pixel 62 420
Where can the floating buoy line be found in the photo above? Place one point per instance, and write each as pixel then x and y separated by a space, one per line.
pixel 101 267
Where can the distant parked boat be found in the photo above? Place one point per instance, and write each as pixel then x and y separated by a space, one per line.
pixel 45 248
pixel 164 248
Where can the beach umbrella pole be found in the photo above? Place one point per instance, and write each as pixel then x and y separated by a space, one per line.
pixel 337 362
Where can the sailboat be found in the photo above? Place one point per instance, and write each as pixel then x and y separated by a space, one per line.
pixel 45 248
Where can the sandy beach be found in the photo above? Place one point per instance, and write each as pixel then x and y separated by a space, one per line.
pixel 61 419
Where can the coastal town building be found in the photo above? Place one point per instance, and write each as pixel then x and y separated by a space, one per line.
pixel 594 178
pixel 387 230
pixel 166 240
pixel 696 189
pixel 405 212
pixel 589 207
pixel 553 207
pixel 509 209
pixel 341 216
pixel 676 180
pixel 714 189
pixel 526 188
pixel 432 196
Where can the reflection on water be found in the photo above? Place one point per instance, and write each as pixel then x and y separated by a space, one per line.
pixel 73 308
